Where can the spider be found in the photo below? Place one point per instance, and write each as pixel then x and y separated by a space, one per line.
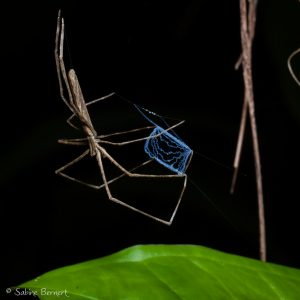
pixel 96 143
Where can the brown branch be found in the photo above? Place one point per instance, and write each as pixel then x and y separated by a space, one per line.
pixel 248 19
pixel 239 145
pixel 251 24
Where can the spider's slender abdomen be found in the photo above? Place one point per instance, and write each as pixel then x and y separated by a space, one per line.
pixel 168 150
pixel 79 103
pixel 76 91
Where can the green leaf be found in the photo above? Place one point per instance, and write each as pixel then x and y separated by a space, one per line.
pixel 169 272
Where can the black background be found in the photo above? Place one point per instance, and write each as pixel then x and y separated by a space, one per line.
pixel 176 58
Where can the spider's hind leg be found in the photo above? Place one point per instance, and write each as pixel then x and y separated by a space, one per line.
pixel 129 173
pixel 61 170
pixel 168 221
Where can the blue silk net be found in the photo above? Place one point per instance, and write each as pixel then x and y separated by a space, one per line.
pixel 165 146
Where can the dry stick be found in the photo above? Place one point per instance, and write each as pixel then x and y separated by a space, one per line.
pixel 251 26
pixel 251 18
pixel 247 33
pixel 239 145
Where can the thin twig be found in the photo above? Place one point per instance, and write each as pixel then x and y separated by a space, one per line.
pixel 247 35
pixel 251 21
pixel 251 25
pixel 239 145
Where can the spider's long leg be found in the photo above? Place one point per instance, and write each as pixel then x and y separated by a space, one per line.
pixel 124 132
pixel 101 98
pixel 140 139
pixel 75 142
pixel 124 174
pixel 74 161
pixel 60 66
pixel 80 157
pixel 106 185
pixel 103 152
pixel 189 161
pixel 179 200
pixel 289 63
pixel 137 175
pixel 143 212
pixel 69 120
